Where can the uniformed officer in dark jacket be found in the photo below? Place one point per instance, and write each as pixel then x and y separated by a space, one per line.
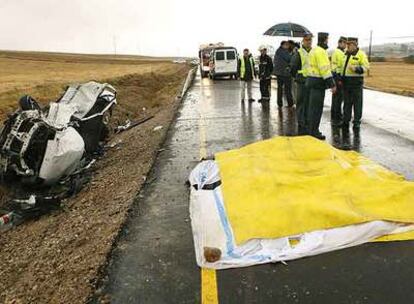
pixel 282 72
pixel 337 66
pixel 355 66
pixel 319 79
pixel 265 74
pixel 299 67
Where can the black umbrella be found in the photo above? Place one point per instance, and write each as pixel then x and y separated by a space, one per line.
pixel 287 29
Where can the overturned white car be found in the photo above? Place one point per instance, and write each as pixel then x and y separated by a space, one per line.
pixel 39 146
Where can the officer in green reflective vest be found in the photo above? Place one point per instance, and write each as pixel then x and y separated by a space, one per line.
pixel 319 78
pixel 246 72
pixel 337 66
pixel 299 67
pixel 355 67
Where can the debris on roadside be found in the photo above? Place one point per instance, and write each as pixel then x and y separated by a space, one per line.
pixel 46 153
pixel 115 144
pixel 69 247
pixel 131 124
pixel 157 128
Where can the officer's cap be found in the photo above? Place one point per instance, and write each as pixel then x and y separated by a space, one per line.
pixel 352 40
pixel 342 39
pixel 322 35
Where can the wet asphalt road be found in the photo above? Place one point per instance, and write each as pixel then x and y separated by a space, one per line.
pixel 154 261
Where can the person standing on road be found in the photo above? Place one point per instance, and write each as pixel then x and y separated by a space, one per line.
pixel 281 70
pixel 299 68
pixel 246 72
pixel 265 74
pixel 320 78
pixel 355 66
pixel 337 65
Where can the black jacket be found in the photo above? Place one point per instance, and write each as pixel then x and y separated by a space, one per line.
pixel 282 61
pixel 265 67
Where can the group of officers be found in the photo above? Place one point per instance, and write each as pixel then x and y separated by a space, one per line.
pixel 314 72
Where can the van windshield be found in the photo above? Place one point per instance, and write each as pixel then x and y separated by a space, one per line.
pixel 231 55
pixel 219 55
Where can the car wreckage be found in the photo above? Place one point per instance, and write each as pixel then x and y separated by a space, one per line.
pixel 40 147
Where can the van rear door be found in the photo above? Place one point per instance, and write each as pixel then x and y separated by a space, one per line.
pixel 231 61
pixel 219 61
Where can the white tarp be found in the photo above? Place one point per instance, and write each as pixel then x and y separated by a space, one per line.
pixel 211 228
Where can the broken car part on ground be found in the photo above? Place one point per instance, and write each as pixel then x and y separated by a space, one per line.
pixel 45 152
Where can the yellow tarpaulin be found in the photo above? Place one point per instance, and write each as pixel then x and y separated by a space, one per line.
pixel 291 185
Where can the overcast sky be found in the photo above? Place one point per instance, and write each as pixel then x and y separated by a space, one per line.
pixel 178 27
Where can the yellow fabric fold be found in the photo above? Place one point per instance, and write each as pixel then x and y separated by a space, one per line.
pixel 290 185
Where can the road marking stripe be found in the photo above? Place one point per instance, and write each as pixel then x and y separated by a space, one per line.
pixel 209 293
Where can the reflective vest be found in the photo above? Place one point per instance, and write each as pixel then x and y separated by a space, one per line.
pixel 243 66
pixel 337 61
pixel 360 59
pixel 320 67
pixel 304 58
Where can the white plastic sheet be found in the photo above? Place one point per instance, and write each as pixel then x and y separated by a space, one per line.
pixel 211 228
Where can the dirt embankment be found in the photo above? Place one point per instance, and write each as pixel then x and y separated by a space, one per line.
pixel 392 77
pixel 44 75
pixel 57 258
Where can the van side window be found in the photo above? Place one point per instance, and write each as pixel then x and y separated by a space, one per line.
pixel 231 55
pixel 219 55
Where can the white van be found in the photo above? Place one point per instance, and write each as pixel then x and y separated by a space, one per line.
pixel 223 62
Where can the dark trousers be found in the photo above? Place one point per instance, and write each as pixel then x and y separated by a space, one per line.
pixel 316 99
pixel 265 88
pixel 336 106
pixel 284 84
pixel 353 100
pixel 302 106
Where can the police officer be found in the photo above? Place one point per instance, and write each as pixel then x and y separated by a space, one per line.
pixel 320 78
pixel 337 63
pixel 299 67
pixel 265 74
pixel 355 66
